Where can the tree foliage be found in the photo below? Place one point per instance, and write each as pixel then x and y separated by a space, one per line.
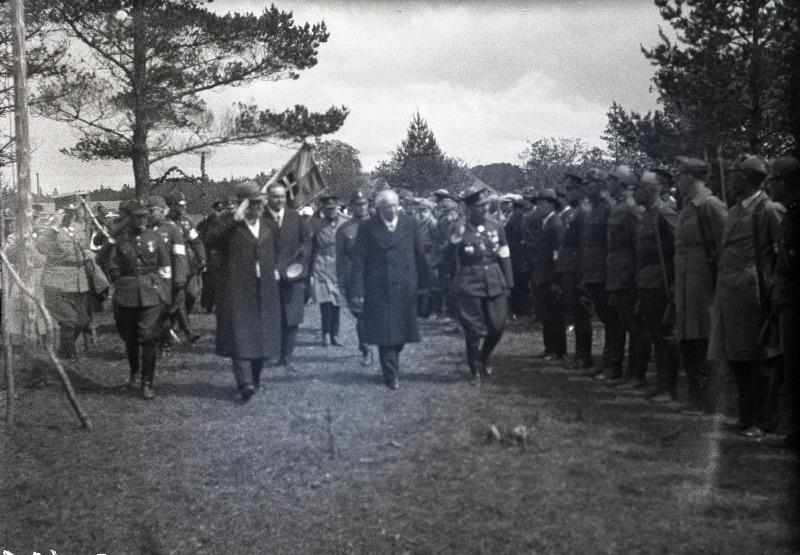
pixel 502 177
pixel 141 69
pixel 419 164
pixel 545 161
pixel 44 52
pixel 724 80
pixel 339 165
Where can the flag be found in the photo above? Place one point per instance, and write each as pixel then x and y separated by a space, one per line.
pixel 301 176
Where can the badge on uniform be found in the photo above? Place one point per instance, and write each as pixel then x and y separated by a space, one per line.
pixel 151 247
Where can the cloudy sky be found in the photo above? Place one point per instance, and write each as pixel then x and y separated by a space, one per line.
pixel 488 77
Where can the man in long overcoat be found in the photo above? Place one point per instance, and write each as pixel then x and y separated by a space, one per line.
pixel 697 242
pixel 248 304
pixel 325 284
pixel 294 244
pixel 388 269
pixel 743 328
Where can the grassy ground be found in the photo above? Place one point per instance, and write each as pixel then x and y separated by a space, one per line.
pixel 328 460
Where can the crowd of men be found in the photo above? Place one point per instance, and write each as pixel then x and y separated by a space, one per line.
pixel 695 265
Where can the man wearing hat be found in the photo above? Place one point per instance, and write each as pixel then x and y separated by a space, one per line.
pixel 655 275
pixel 621 229
pixel 248 303
pixel 744 328
pixel 172 236
pixel 568 267
pixel 358 207
pixel 483 280
pixel 389 269
pixel 140 267
pixel 195 264
pixel 594 273
pixel 546 290
pixel 784 182
pixel 294 243
pixel 448 219
pixel 325 285
pixel 698 237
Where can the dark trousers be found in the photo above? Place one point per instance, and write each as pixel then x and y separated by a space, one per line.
pixel 624 302
pixel 757 384
pixel 247 371
pixel 360 332
pixel 653 305
pixel 389 356
pixel 483 319
pixel 142 356
pixel 790 340
pixel 329 313
pixel 520 299
pixel 614 334
pixel 288 340
pixel 208 292
pixel 577 314
pixel 701 378
pixel 177 314
pixel 554 329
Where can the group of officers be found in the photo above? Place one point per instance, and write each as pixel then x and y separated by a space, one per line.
pixel 666 266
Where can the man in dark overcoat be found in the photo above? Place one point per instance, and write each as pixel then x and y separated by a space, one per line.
pixel 294 244
pixel 248 304
pixel 389 268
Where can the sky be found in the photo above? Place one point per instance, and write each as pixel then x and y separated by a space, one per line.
pixel 488 77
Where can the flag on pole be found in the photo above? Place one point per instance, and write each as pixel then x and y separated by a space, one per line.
pixel 301 176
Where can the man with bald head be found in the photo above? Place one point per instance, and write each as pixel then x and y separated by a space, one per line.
pixel 389 267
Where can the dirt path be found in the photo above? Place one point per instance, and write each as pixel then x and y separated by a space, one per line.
pixel 329 460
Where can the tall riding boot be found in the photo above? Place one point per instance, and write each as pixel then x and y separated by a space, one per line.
pixel 489 343
pixel 66 341
pixel 132 351
pixel 149 354
pixel 473 343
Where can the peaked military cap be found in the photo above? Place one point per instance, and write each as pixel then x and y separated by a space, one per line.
pixel 572 181
pixel 329 200
pixel 154 201
pixel 475 194
pixel 442 193
pixel 663 175
pixel 624 175
pixel 786 168
pixel 753 168
pixel 426 203
pixel 693 166
pixel 549 194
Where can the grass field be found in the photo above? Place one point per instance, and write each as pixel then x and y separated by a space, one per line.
pixel 328 460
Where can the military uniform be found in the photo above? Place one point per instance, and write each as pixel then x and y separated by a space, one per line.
pixel 139 266
pixel 623 221
pixel 172 237
pixel 325 286
pixel 593 280
pixel 483 280
pixel 568 267
pixel 515 228
pixel 195 263
pixel 653 312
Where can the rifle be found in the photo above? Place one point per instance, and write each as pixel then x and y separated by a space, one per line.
pixel 669 312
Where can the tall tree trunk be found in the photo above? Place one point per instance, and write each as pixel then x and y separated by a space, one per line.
pixel 755 84
pixel 140 154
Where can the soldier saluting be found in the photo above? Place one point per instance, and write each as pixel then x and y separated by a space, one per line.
pixel 140 268
pixel 483 280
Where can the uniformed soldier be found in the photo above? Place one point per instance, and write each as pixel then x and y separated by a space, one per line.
pixel 655 274
pixel 483 281
pixel 448 221
pixel 623 221
pixel 345 245
pixel 429 303
pixel 543 255
pixel 785 186
pixel 172 236
pixel 140 268
pixel 211 273
pixel 325 286
pixel 569 266
pixel 594 274
pixel 196 263
pixel 744 329
pixel 698 238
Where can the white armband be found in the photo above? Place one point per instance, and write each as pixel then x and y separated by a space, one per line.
pixel 165 272
pixel 503 251
pixel 193 234
pixel 179 249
